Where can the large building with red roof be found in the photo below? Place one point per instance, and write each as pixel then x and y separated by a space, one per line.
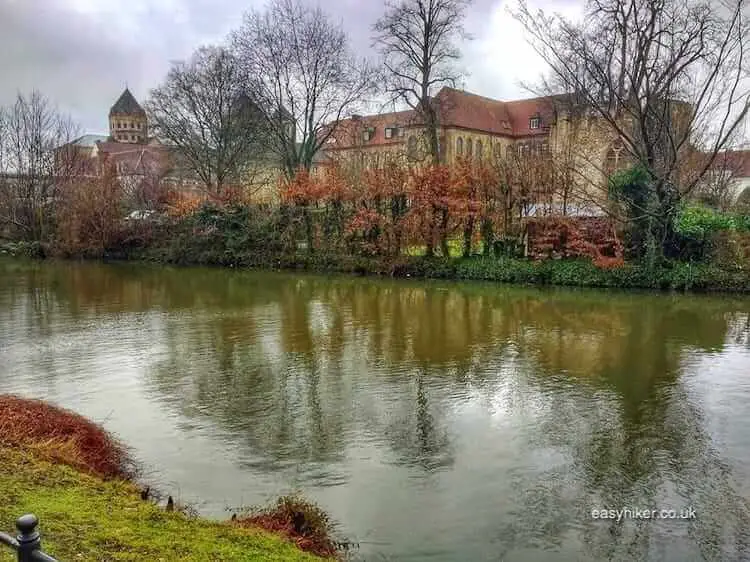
pixel 478 127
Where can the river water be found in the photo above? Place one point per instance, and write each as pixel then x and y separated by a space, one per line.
pixel 434 421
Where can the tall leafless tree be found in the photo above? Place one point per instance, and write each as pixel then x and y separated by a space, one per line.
pixel 418 41
pixel 36 159
pixel 205 110
pixel 667 77
pixel 307 75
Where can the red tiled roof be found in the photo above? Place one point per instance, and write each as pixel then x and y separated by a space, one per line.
pixel 522 111
pixel 456 108
pixel 737 161
pixel 135 158
pixel 349 131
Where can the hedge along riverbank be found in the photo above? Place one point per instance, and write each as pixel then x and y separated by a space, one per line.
pixel 676 276
pixel 79 481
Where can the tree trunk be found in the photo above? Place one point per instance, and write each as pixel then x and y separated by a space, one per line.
pixel 468 235
pixel 444 217
pixel 488 235
pixel 309 234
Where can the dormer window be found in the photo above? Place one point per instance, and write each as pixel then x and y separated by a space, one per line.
pixel 534 122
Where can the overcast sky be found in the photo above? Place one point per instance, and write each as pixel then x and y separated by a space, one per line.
pixel 82 53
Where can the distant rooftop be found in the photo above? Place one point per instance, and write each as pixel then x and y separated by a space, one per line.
pixel 127 104
pixel 89 141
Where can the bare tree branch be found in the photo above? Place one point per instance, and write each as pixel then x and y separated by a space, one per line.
pixel 308 78
pixel 205 109
pixel 36 158
pixel 417 40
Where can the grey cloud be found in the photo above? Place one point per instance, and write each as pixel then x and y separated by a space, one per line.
pixel 81 53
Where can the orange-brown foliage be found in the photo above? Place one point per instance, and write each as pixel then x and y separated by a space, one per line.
pixel 61 436
pixel 90 215
pixel 594 238
pixel 181 205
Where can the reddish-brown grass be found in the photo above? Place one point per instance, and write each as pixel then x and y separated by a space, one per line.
pixel 61 436
pixel 302 522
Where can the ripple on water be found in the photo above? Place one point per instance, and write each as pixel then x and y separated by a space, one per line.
pixel 436 422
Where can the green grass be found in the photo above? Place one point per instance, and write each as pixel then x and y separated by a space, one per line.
pixel 85 518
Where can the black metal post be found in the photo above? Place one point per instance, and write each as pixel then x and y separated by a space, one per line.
pixel 28 538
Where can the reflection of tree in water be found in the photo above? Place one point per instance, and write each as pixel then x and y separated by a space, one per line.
pixel 644 446
pixel 416 432
pixel 297 370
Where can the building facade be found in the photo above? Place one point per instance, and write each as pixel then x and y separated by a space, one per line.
pixel 484 129
pixel 128 122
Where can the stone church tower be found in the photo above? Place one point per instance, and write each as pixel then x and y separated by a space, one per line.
pixel 127 120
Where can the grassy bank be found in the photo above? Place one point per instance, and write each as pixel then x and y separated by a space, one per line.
pixel 677 276
pixel 674 276
pixel 75 477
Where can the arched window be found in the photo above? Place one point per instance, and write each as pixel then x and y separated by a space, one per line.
pixel 469 148
pixel 617 157
pixel 460 146
pixel 478 150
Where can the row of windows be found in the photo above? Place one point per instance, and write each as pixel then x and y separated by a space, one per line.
pixel 477 149
pixel 471 149
pixel 389 132
pixel 128 137
pixel 129 125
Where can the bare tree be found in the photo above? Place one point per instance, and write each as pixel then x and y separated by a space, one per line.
pixel 663 75
pixel 417 40
pixel 718 186
pixel 308 77
pixel 205 110
pixel 36 159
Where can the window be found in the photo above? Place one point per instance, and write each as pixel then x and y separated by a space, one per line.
pixel 400 131
pixel 546 154
pixel 478 150
pixel 469 148
pixel 368 134
pixel 510 151
pixel 617 157
pixel 389 132
pixel 459 146
pixel 534 122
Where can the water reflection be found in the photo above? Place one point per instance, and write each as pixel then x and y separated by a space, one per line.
pixel 443 421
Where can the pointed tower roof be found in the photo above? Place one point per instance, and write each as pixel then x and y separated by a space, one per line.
pixel 127 104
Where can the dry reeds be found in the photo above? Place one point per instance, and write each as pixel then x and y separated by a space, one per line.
pixel 61 436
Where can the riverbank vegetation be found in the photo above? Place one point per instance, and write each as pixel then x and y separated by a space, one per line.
pixel 433 222
pixel 631 187
pixel 79 481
